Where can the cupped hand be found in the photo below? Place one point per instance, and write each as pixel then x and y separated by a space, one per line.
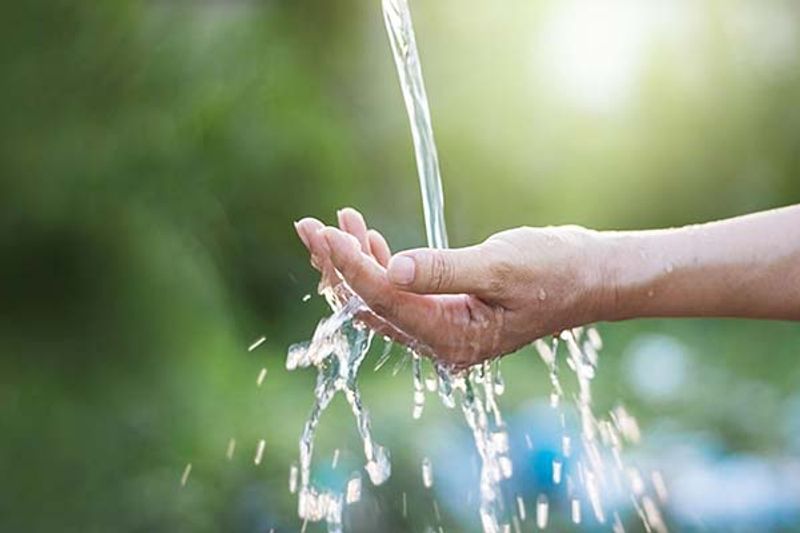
pixel 464 305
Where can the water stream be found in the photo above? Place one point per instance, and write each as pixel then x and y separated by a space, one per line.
pixel 339 345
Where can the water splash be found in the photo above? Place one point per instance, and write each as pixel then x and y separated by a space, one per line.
pixel 337 349
pixel 604 475
pixel 340 344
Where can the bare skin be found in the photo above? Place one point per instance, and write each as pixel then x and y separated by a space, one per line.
pixel 470 304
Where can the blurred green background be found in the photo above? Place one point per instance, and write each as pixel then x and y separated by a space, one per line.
pixel 154 153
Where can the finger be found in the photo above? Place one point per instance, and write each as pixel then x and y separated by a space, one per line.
pixel 379 247
pixel 353 223
pixel 428 271
pixel 417 316
pixel 321 256
pixel 306 228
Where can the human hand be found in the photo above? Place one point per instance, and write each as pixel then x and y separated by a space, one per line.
pixel 470 304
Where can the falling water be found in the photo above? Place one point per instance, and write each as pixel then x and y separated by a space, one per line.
pixel 601 463
pixel 477 386
pixel 604 475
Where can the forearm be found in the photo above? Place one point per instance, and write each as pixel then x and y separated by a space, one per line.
pixel 741 267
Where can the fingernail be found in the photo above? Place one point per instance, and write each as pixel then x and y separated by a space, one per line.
pixel 301 233
pixel 341 220
pixel 401 270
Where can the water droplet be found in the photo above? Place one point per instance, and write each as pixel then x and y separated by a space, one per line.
pixel 557 471
pixel 651 293
pixel 499 382
pixel 576 511
pixel 594 337
pixel 594 496
pixel 669 268
pixel 379 467
pixel 542 511
pixel 353 492
pixel 542 295
pixel 653 515
pixel 405 505
pixel 387 352
pixel 419 405
pixel 554 398
pixel 430 383
pixel 521 507
pixel 566 445
pixel 545 352
pixel 427 473
pixel 335 460
pixel 307 297
pixel 419 389
pixel 528 441
pixel 293 478
pixel 256 344
pixel 185 475
pixel 259 452
pixel 261 376
pixel 626 424
pixel 230 449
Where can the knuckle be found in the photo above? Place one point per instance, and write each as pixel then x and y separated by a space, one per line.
pixel 501 272
pixel 442 272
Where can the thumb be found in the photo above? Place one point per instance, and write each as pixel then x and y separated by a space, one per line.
pixel 431 271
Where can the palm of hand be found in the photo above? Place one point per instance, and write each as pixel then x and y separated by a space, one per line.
pixel 497 292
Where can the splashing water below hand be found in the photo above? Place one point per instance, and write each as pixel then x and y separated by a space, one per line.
pixel 337 350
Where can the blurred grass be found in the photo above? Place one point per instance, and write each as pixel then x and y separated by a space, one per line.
pixel 153 156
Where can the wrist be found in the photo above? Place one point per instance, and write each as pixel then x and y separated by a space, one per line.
pixel 598 276
pixel 634 266
pixel 608 284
